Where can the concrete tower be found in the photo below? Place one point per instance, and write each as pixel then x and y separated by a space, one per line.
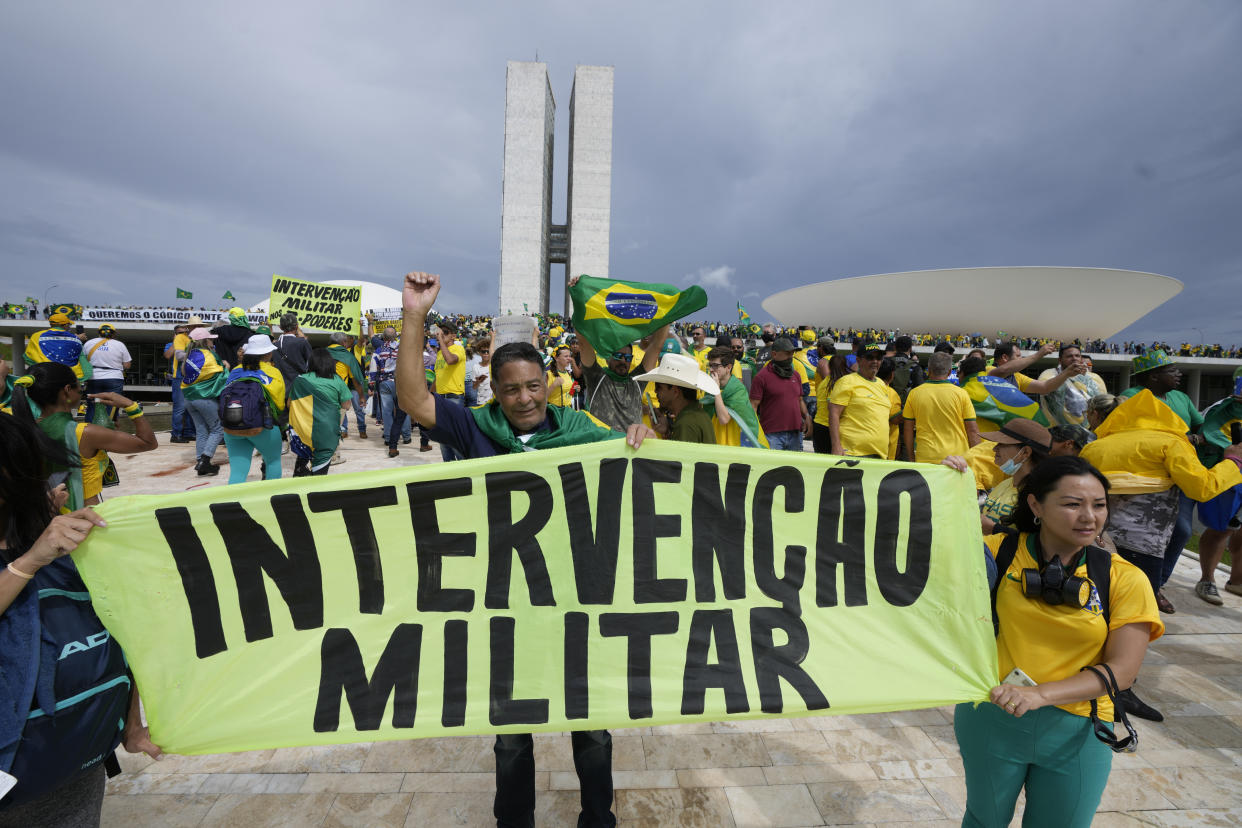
pixel 529 242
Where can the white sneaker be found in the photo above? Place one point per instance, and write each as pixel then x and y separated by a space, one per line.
pixel 1208 592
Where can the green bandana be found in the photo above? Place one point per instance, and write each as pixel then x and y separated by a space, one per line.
pixel 569 428
pixel 239 320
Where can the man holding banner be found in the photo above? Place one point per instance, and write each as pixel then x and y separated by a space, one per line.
pixel 517 419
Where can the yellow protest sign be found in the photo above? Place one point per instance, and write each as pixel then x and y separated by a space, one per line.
pixel 574 588
pixel 320 307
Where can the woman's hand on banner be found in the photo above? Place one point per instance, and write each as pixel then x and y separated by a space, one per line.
pixel 955 462
pixel 419 292
pixel 63 535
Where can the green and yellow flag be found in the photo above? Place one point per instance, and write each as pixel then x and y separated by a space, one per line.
pixel 611 313
pixel 228 294
pixel 997 401
pixel 742 315
pixel 316 419
pixel 184 294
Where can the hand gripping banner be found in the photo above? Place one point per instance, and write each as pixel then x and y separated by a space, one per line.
pixel 564 589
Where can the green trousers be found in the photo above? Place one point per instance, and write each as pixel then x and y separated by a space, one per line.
pixel 1053 754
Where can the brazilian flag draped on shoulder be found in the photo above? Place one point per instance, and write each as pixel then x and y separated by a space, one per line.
pixel 611 313
pixel 58 345
pixel 568 428
pixel 997 401
pixel 202 375
pixel 316 419
pixel 743 428
pixel 346 357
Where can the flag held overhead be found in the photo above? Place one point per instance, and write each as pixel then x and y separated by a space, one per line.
pixel 612 313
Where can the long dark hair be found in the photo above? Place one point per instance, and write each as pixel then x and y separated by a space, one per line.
pixel 49 379
pixel 25 501
pixel 322 364
pixel 1043 479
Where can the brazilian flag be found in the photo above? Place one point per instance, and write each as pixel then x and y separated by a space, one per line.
pixel 997 401
pixel 316 418
pixel 55 345
pixel 184 294
pixel 742 315
pixel 68 309
pixel 611 313
pixel 228 294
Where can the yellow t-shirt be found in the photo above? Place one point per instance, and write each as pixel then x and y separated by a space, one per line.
pixel 805 368
pixel 983 465
pixel 563 395
pixel 864 422
pixel 92 468
pixel 181 342
pixel 1001 501
pixel 451 379
pixel 1051 643
pixel 894 430
pixel 939 410
pixel 821 401
pixel 700 354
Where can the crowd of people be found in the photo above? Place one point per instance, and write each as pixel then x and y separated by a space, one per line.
pixel 1087 498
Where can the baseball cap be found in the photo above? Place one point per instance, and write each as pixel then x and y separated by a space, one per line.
pixel 202 333
pixel 1021 432
pixel 784 343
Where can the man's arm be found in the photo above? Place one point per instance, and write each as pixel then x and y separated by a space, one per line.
pixel 1021 363
pixel 446 350
pixel 1049 385
pixel 651 356
pixel 972 433
pixel 907 436
pixel 418 294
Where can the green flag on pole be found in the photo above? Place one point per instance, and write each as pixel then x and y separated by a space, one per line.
pixel 184 294
pixel 228 294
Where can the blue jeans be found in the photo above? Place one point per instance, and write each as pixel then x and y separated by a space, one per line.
pixel 99 386
pixel 360 416
pixel 182 426
pixel 1177 542
pixel 388 409
pixel 515 779
pixel 446 451
pixel 208 433
pixel 241 452
pixel 787 440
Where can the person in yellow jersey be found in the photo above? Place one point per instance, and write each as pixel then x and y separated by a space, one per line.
pixel 938 417
pixel 450 373
pixel 182 425
pixel 561 378
pixel 888 369
pixel 859 410
pixel 1079 642
pixel 831 367
pixel 699 346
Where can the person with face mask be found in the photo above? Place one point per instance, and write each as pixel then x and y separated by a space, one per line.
pixel 776 393
pixel 1018 448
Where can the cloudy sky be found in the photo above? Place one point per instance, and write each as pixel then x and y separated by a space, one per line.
pixel 757 147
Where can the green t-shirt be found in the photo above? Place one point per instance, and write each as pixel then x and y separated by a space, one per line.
pixel 1179 402
pixel 693 425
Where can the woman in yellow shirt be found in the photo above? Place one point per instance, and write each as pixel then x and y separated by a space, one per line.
pixel 561 378
pixel 1043 738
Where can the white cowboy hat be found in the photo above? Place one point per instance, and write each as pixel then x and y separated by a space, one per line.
pixel 679 369
pixel 258 345
pixel 195 320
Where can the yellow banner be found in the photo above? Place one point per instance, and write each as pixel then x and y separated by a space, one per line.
pixel 320 307
pixel 564 589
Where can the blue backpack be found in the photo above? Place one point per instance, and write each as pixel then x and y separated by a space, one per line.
pixel 244 411
pixel 82 688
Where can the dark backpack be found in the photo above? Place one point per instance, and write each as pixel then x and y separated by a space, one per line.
pixel 86 686
pixel 244 411
pixel 905 377
pixel 1099 572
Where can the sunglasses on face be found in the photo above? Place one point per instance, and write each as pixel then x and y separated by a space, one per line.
pixel 619 357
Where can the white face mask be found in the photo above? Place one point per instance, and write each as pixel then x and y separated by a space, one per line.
pixel 1010 467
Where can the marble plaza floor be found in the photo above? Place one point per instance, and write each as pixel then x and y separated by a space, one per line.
pixel 890 769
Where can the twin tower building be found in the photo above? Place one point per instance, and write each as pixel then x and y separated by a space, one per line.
pixel 529 242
